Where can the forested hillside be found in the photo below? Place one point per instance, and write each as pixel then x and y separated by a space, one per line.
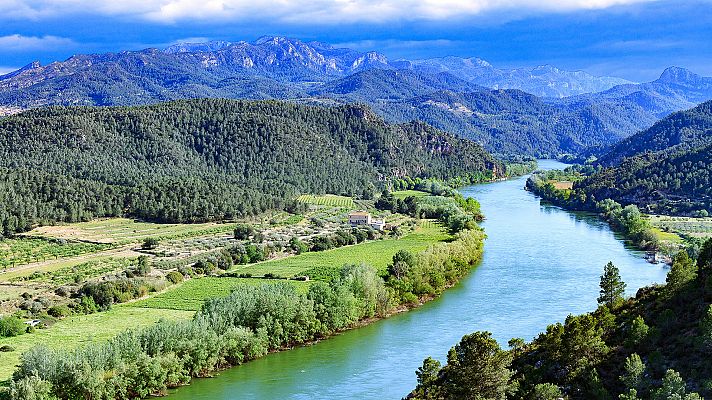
pixel 655 346
pixel 687 129
pixel 199 160
pixel 668 169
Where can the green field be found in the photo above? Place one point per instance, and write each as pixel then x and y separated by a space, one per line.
pixel 123 230
pixel 22 251
pixel 402 194
pixel 377 253
pixel 327 200
pixel 685 226
pixel 78 330
pixel 191 294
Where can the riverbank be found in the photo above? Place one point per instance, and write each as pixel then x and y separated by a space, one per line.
pixel 558 188
pixel 323 311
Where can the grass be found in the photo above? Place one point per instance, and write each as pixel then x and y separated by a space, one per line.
pixel 78 330
pixel 191 294
pixel 683 226
pixel 124 230
pixel 377 253
pixel 330 200
pixel 402 194
pixel 667 236
pixel 14 252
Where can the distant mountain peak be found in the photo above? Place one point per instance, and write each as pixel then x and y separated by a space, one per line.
pixel 213 45
pixel 679 75
pixel 28 67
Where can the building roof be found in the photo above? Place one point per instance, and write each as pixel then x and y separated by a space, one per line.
pixel 359 214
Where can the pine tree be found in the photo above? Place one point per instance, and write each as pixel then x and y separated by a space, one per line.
pixel 612 287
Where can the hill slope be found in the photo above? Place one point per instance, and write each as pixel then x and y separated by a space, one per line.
pixel 199 160
pixel 655 346
pixel 667 168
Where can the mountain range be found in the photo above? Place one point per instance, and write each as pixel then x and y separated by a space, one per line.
pixel 542 111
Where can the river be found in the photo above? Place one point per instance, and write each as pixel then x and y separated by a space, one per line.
pixel 540 264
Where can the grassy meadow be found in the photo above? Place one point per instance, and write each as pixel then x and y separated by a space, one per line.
pixel 376 253
pixel 190 295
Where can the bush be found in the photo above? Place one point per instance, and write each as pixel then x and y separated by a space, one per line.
pixel 243 231
pixel 150 243
pixel 11 326
pixel 59 311
pixel 174 277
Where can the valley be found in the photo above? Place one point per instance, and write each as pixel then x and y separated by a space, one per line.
pixel 364 209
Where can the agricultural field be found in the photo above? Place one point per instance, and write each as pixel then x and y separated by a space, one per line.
pixel 82 329
pixel 124 230
pixel 376 253
pixel 14 252
pixel 402 194
pixel 78 273
pixel 190 295
pixel 327 200
pixel 683 226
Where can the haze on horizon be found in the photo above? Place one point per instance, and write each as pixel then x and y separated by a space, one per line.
pixel 632 39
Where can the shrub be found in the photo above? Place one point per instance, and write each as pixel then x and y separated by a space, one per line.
pixel 150 243
pixel 59 311
pixel 11 326
pixel 174 277
pixel 243 231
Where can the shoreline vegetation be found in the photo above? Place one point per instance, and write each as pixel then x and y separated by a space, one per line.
pixel 246 325
pixel 653 346
pixel 255 319
pixel 558 187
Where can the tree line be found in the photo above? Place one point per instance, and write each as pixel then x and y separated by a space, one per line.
pixel 209 159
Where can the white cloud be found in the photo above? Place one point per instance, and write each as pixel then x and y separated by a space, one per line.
pixel 6 70
pixel 297 11
pixel 19 43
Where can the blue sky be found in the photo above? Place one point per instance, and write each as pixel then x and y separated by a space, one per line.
pixel 634 39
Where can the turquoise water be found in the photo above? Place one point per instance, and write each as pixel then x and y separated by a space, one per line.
pixel 541 263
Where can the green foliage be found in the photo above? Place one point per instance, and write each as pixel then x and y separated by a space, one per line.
pixel 673 387
pixel 175 162
pixel 634 375
pixel 706 328
pixel 612 287
pixel 20 251
pixel 11 326
pixel 682 271
pixel 243 231
pixel 174 277
pixel 546 391
pixel 297 246
pixel 150 243
pixel 667 168
pixel 639 331
pixel 477 369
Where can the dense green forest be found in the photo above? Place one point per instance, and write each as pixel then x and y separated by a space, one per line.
pixel 665 169
pixel 654 346
pixel 210 159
